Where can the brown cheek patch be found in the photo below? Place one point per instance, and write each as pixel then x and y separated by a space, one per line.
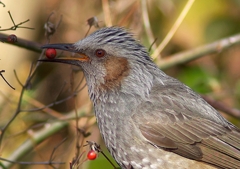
pixel 116 68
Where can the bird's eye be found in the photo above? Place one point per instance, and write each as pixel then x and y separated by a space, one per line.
pixel 100 53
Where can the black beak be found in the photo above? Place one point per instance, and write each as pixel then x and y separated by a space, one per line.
pixel 81 57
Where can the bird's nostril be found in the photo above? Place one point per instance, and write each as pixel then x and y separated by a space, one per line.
pixel 68 47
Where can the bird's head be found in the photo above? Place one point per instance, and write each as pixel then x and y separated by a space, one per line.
pixel 108 57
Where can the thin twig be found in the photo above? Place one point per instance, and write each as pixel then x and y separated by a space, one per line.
pixel 147 24
pixel 55 148
pixel 61 90
pixel 16 76
pixel 108 160
pixel 30 76
pixel 172 31
pixel 88 31
pixel 150 48
pixel 107 13
pixel 12 18
pixel 80 82
pixel 51 104
pixel 2 71
pixel 15 26
pixel 41 107
pixel 35 68
pixel 59 22
pixel 2 4
pixel 78 145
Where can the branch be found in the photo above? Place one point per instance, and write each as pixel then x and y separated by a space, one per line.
pixel 198 52
pixel 222 107
pixel 23 43
pixel 107 13
pixel 2 3
pixel 15 26
pixel 2 71
pixel 146 23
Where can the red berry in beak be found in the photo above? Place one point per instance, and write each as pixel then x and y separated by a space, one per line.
pixel 50 53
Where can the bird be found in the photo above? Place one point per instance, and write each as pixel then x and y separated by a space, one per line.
pixel 147 119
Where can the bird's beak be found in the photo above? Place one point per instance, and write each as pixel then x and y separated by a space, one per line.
pixel 81 57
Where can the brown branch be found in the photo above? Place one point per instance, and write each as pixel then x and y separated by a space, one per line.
pixel 23 43
pixel 222 107
pixel 2 3
pixel 2 71
pixel 55 148
pixel 15 26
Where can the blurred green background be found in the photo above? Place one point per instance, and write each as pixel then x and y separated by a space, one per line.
pixel 216 75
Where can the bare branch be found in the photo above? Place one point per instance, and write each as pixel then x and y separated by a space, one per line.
pixel 2 4
pixel 2 71
pixel 15 26
pixel 107 13
pixel 18 80
pixel 55 148
pixel 23 43
pixel 222 107
pixel 198 52
pixel 146 23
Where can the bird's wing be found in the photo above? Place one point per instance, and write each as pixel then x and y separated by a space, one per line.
pixel 180 121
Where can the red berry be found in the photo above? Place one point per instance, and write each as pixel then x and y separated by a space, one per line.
pixel 12 38
pixel 50 53
pixel 92 155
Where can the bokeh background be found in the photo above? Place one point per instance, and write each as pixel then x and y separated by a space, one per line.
pixel 214 75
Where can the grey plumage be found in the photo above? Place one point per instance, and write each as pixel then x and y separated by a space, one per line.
pixel 148 119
